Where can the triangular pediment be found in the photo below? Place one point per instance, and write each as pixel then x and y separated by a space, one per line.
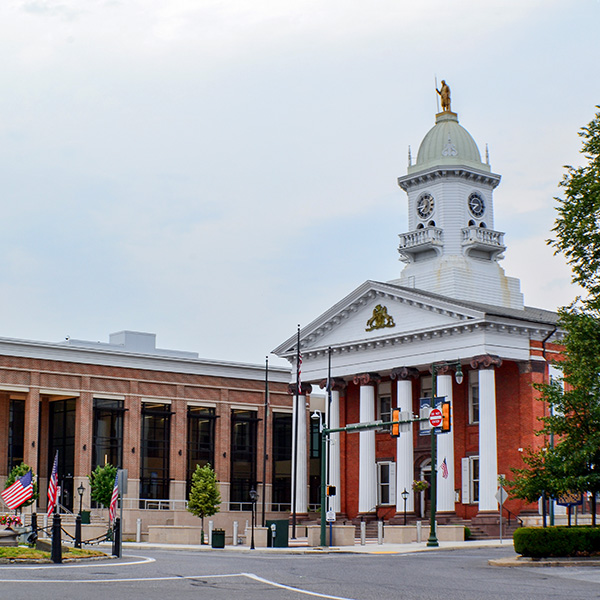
pixel 377 311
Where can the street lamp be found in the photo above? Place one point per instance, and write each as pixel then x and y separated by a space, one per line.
pixel 253 498
pixel 323 439
pixel 458 376
pixel 404 495
pixel 80 491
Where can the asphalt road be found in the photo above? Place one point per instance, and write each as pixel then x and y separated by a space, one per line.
pixel 152 574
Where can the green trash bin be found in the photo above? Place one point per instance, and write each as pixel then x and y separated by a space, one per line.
pixel 85 517
pixel 218 538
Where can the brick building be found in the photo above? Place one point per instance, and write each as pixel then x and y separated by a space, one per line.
pixel 452 304
pixel 157 413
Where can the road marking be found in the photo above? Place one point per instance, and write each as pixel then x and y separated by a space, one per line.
pixel 179 577
pixel 293 589
pixel 90 565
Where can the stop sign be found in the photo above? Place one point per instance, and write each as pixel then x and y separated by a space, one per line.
pixel 435 417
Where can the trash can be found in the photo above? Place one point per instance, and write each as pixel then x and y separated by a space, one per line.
pixel 277 533
pixel 85 517
pixel 218 538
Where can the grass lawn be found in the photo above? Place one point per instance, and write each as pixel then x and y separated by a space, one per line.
pixel 26 553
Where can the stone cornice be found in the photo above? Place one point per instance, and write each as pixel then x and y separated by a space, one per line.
pixel 367 379
pixel 306 389
pixel 431 175
pixel 404 373
pixel 337 384
pixel 486 361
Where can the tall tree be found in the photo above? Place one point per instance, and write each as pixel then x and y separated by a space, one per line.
pixel 577 227
pixel 205 498
pixel 572 462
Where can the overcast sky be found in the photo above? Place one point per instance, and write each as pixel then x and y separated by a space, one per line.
pixel 218 171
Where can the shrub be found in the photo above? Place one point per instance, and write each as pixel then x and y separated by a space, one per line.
pixel 467 533
pixel 538 542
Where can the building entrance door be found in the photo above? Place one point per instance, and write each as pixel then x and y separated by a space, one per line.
pixel 62 438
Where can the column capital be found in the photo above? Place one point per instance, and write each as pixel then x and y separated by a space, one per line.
pixel 404 373
pixel 367 379
pixel 306 389
pixel 337 384
pixel 486 361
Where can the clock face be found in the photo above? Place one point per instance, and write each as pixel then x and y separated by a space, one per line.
pixel 425 206
pixel 476 205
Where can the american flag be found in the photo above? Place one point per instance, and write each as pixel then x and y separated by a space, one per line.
pixel 444 468
pixel 20 491
pixel 112 509
pixel 53 486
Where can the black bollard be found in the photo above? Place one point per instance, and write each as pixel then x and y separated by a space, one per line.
pixel 78 531
pixel 56 554
pixel 116 546
pixel 32 537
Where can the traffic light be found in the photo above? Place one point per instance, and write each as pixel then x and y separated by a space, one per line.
pixel 395 430
pixel 446 417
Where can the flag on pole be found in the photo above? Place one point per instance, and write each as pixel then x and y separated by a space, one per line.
pixel 112 509
pixel 20 491
pixel 53 487
pixel 444 468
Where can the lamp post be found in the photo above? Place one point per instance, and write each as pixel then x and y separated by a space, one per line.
pixel 317 415
pixel 435 367
pixel 80 491
pixel 253 498
pixel 404 495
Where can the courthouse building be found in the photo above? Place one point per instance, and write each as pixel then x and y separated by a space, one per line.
pixel 157 413
pixel 452 303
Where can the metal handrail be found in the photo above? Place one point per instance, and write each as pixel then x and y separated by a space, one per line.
pixel 518 519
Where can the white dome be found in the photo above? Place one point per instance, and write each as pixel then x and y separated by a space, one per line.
pixel 448 143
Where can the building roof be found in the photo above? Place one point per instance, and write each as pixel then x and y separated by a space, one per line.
pixel 448 144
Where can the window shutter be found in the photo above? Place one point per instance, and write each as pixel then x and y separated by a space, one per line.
pixel 466 480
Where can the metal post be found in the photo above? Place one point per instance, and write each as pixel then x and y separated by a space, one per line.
pixel 235 533
pixel 380 532
pixel 116 545
pixel 138 530
pixel 78 531
pixel 433 541
pixel 32 539
pixel 405 498
pixel 265 424
pixel 363 533
pixel 323 486
pixel 252 538
pixel 56 554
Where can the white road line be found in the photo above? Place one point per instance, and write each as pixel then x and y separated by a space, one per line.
pixel 293 589
pixel 179 577
pixel 123 579
pixel 89 565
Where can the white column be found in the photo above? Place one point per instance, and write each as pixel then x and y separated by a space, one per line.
pixel 367 482
pixel 445 450
pixel 404 446
pixel 488 454
pixel 334 451
pixel 300 485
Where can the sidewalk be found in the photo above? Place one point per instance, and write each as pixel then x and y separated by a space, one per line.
pixel 369 548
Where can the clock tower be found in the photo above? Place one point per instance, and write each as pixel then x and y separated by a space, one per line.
pixel 452 247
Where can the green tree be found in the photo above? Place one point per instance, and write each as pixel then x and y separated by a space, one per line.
pixel 577 227
pixel 102 482
pixel 205 498
pixel 570 457
pixel 17 472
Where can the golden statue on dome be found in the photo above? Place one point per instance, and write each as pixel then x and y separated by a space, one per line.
pixel 445 96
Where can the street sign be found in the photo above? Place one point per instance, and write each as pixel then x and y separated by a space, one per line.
pixel 330 517
pixel 501 495
pixel 435 417
pixel 570 499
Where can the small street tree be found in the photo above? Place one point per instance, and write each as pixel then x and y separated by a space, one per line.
pixel 205 498
pixel 17 472
pixel 570 459
pixel 102 482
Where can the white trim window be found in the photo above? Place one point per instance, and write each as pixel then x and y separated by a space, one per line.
pixel 470 479
pixel 384 403
pixel 386 483
pixel 473 397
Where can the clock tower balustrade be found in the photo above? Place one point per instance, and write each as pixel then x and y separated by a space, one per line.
pixel 419 241
pixel 482 242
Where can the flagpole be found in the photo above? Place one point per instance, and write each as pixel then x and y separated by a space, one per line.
pixel 295 456
pixel 264 499
pixel 327 481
